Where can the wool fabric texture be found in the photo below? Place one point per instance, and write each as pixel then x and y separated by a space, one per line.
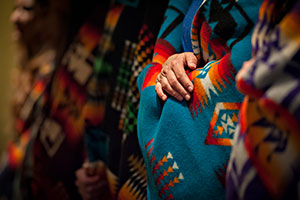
pixel 186 145
pixel 265 159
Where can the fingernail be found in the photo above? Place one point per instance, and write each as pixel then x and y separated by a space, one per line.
pixel 180 98
pixel 164 97
pixel 190 88
pixel 187 97
pixel 192 65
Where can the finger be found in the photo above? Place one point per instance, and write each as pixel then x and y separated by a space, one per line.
pixel 182 77
pixel 83 179
pixel 176 85
pixel 191 60
pixel 167 88
pixel 159 91
pixel 91 180
pixel 98 188
pixel 79 172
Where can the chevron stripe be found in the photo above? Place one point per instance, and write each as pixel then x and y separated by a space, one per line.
pixel 210 79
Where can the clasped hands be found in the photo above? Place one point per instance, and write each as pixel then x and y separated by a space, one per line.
pixel 91 181
pixel 173 79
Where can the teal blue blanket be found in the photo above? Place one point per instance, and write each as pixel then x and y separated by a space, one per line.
pixel 186 145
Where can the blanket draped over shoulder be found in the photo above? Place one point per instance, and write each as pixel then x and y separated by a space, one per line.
pixel 186 145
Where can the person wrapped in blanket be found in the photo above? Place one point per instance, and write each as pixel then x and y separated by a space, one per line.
pixel 189 103
pixel 38 48
pixel 265 159
pixel 113 149
pixel 53 98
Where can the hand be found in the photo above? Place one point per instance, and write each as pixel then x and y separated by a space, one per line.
pixel 91 182
pixel 173 78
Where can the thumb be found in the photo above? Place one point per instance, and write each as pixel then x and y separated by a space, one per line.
pixel 191 60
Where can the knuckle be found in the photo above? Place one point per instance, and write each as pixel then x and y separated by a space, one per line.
pixel 181 91
pixel 157 79
pixel 177 96
pixel 187 85
pixel 179 75
pixel 165 65
pixel 172 56
pixel 164 86
pixel 182 54
pixel 172 81
pixel 168 62
pixel 163 73
pixel 157 89
pixel 163 81
pixel 174 62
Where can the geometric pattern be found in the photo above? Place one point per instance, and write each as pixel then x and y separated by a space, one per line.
pixel 221 173
pixel 142 58
pixel 51 136
pixel 212 39
pixel 99 85
pixel 241 172
pixel 222 125
pixel 64 117
pixel 212 82
pixel 34 101
pixel 135 186
pixel 123 77
pixel 163 49
pixel 165 171
pixel 265 157
pixel 78 60
pixel 209 82
pixel 221 25
pixel 53 113
pixel 69 93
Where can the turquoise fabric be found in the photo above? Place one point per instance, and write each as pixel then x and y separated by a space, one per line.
pixel 186 145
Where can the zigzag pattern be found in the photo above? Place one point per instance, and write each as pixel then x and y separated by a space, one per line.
pixel 143 56
pixel 119 99
pixel 262 154
pixel 152 73
pixel 71 82
pixel 208 80
pixel 165 172
pixel 163 50
pixel 220 173
pixel 132 190
pixel 206 48
pixel 239 171
pixel 269 119
pixel 113 182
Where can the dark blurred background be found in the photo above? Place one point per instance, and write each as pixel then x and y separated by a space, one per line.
pixel 7 62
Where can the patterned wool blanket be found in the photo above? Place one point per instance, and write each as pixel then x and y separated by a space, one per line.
pixel 186 145
pixel 265 163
